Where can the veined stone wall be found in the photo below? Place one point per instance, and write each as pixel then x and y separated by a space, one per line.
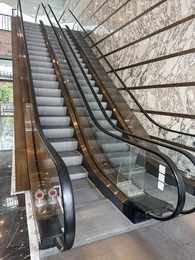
pixel 157 51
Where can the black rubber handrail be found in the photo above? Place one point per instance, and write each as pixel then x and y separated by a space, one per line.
pixel 37 12
pixel 171 147
pixel 165 158
pixel 65 183
pixel 126 88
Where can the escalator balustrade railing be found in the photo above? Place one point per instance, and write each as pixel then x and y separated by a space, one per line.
pixel 65 216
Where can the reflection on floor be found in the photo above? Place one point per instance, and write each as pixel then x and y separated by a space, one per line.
pixel 14 242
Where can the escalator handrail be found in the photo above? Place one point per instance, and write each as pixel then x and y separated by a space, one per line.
pixel 172 147
pixel 126 88
pixel 64 178
pixel 169 162
pixel 37 12
pixel 168 146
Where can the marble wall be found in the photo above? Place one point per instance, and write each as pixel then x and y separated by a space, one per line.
pixel 5 44
pixel 140 20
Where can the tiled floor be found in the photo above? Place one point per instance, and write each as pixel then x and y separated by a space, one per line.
pixel 14 242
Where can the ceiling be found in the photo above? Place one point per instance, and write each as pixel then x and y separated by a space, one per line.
pixel 29 7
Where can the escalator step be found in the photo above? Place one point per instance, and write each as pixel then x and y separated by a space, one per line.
pixel 71 158
pixel 37 69
pixel 55 121
pixel 64 144
pixel 45 77
pixel 44 92
pixel 58 132
pixel 50 101
pixel 77 172
pixel 48 110
pixel 45 84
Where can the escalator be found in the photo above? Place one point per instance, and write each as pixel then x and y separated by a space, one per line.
pixel 142 183
pixel 115 105
pixel 57 127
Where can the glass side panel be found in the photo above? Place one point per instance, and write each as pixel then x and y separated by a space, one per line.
pixel 44 180
pixel 129 168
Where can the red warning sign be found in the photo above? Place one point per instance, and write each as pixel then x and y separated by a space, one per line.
pixel 39 195
pixel 52 193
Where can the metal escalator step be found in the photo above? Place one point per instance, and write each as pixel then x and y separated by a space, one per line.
pixel 71 58
pixel 77 172
pixel 67 72
pixel 45 77
pixel 71 82
pixel 110 145
pixel 71 158
pixel 58 132
pixel 44 92
pixel 50 101
pixel 99 220
pixel 45 84
pixel 85 90
pixel 42 69
pixel 72 62
pixel 118 158
pixel 82 184
pixel 29 27
pixel 104 123
pixel 44 64
pixel 37 45
pixel 101 135
pixel 39 58
pixel 86 196
pixel 91 132
pixel 99 114
pixel 35 40
pixel 55 121
pixel 78 73
pixel 85 121
pixel 52 111
pixel 96 113
pixel 37 48
pixel 64 144
pixel 44 53
pixel 34 33
pixel 94 105
pixel 89 97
